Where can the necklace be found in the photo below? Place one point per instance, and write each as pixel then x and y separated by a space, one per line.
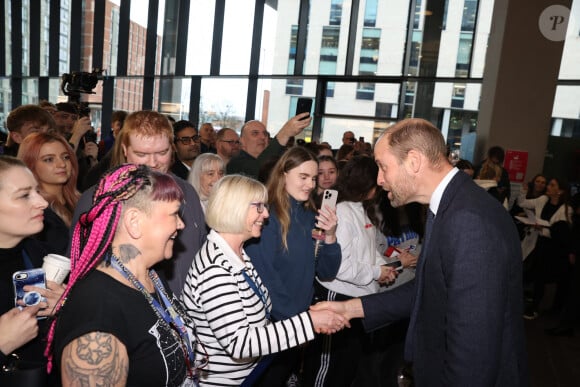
pixel 167 315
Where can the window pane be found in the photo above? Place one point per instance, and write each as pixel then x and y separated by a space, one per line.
pixel 381 49
pixel 237 37
pixel 333 128
pixel 200 36
pixel 278 48
pixel 174 97
pixel 128 94
pixel 138 38
pixel 223 102
pixel 565 122
pixel 569 68
pixel 344 100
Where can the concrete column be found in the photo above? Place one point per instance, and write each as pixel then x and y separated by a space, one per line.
pixel 520 76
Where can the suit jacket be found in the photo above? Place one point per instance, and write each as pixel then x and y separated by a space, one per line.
pixel 466 301
pixel 180 170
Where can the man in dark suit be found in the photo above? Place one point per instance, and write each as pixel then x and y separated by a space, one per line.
pixel 465 305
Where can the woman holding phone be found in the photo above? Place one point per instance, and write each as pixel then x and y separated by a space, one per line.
pixel 284 254
pixel 21 215
pixel 363 270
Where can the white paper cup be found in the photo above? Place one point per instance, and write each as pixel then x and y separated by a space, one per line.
pixel 56 267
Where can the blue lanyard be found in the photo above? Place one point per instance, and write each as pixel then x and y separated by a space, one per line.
pixel 169 314
pixel 258 292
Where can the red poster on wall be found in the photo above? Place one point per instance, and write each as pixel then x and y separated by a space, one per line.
pixel 516 163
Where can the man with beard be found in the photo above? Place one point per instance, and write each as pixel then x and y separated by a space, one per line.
pixel 186 148
pixel 227 144
pixel 465 304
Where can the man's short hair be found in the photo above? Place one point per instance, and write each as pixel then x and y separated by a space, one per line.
pixel 222 132
pixel 416 134
pixel 119 115
pixel 146 123
pixel 66 107
pixel 180 125
pixel 28 113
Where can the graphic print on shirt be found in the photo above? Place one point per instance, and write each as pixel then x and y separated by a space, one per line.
pixel 171 352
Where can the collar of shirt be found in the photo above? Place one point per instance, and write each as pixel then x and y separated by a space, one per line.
pixel 438 193
pixel 228 252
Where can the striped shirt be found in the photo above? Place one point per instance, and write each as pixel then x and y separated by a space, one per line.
pixel 230 318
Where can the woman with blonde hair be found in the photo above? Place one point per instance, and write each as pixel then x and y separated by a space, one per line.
pixel 54 165
pixel 227 299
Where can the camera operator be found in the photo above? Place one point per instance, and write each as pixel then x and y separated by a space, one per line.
pixel 74 124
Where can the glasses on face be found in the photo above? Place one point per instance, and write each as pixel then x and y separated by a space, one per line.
pixel 259 206
pixel 232 142
pixel 187 140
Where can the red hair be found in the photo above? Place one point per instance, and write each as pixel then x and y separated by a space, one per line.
pixel 29 152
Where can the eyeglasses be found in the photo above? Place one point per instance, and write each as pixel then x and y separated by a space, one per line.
pixel 259 206
pixel 231 142
pixel 187 140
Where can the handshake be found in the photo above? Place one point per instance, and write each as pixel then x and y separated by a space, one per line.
pixel 329 317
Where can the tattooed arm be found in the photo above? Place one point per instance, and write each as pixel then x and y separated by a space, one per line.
pixel 95 359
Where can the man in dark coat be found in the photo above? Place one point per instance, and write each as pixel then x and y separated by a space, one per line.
pixel 465 304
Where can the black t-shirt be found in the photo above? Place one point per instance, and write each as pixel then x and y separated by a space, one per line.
pixel 101 303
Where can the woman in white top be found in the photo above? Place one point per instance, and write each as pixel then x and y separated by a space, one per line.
pixel 225 295
pixel 543 246
pixel 331 361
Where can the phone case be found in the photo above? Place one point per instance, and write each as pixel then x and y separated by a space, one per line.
pixel 33 277
pixel 303 105
pixel 329 197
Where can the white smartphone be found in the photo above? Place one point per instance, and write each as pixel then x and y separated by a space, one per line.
pixel 329 197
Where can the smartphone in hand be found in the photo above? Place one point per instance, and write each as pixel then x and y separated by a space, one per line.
pixel 329 197
pixel 304 105
pixel 30 277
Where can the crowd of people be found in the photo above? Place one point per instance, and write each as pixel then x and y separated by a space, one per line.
pixel 207 258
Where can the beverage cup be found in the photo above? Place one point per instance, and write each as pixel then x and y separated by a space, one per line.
pixel 56 267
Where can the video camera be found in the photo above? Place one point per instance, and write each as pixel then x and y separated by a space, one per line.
pixel 76 83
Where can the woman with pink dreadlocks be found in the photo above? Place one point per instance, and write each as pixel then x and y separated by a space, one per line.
pixel 119 324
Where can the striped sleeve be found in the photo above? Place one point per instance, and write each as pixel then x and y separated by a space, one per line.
pixel 221 298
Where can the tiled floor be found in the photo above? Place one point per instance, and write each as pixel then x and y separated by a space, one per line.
pixel 553 361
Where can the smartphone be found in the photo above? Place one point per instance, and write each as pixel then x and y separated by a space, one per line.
pixel 361 139
pixel 329 197
pixel 31 277
pixel 304 105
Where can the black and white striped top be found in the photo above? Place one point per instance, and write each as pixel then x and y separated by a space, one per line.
pixel 230 317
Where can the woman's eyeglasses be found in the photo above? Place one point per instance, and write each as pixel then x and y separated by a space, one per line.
pixel 187 140
pixel 259 206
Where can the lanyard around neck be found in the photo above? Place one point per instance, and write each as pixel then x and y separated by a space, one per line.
pixel 169 314
pixel 258 292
